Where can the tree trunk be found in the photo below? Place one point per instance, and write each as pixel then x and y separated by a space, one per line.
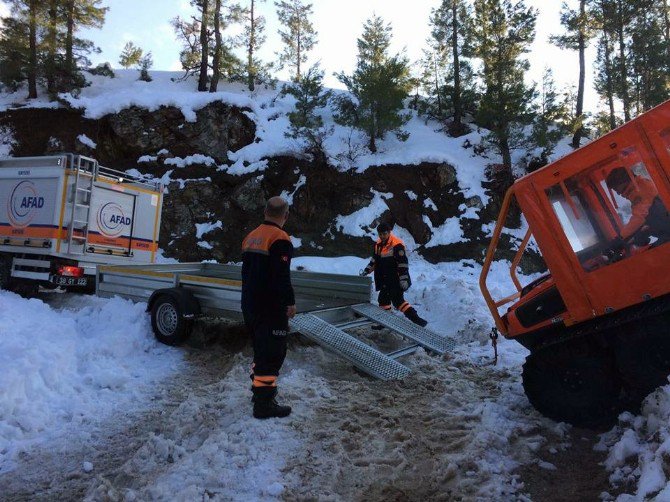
pixel 297 67
pixel 458 109
pixel 251 75
pixel 609 82
pixel 204 47
pixel 666 19
pixel 32 63
pixel 68 72
pixel 437 90
pixel 581 40
pixel 49 66
pixel 623 65
pixel 216 61
pixel 505 152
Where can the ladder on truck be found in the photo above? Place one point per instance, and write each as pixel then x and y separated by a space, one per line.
pixel 85 173
pixel 328 329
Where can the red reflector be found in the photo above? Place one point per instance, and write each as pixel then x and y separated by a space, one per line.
pixel 71 271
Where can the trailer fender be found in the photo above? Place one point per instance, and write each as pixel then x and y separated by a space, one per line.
pixel 188 303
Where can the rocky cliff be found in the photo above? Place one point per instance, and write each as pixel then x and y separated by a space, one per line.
pixel 419 198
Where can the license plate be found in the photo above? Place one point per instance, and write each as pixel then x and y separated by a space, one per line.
pixel 70 281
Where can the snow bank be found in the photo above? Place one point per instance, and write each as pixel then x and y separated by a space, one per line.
pixel 62 370
pixel 639 450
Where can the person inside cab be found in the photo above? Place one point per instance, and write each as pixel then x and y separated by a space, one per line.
pixel 649 216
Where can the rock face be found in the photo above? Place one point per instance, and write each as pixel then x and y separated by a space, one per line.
pixel 124 137
pixel 417 198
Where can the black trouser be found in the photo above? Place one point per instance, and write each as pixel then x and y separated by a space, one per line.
pixel 394 295
pixel 269 341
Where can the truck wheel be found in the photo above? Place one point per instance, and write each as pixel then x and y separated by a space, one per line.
pixel 5 270
pixel 643 359
pixel 168 322
pixel 583 391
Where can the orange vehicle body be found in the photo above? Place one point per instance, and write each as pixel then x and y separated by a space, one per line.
pixel 572 216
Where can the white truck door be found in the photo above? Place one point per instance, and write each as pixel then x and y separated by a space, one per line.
pixel 111 220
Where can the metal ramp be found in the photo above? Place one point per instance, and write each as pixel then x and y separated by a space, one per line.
pixel 361 355
pixel 326 328
pixel 406 328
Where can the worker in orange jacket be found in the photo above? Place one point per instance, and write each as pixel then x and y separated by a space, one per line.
pixel 268 302
pixel 646 206
pixel 391 273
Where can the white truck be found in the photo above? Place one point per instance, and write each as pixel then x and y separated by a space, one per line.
pixel 62 215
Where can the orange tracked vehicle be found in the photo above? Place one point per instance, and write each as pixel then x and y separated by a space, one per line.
pixel 597 323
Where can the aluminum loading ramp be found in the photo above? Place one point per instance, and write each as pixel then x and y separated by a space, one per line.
pixel 326 328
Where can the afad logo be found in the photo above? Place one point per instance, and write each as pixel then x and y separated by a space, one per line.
pixel 24 204
pixel 111 220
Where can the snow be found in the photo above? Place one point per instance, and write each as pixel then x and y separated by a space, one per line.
pixel 289 196
pixel 411 195
pixel 204 228
pixel 639 450
pixel 449 232
pixel 358 223
pixel 189 160
pixel 85 140
pixel 64 370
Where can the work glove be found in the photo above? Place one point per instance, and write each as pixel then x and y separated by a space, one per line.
pixel 404 284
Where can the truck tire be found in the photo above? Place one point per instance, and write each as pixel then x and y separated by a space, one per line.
pixel 167 321
pixel 5 270
pixel 583 391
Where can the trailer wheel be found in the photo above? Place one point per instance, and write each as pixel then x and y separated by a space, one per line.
pixel 168 322
pixel 583 391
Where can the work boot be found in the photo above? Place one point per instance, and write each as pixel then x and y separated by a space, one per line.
pixel 265 404
pixel 413 316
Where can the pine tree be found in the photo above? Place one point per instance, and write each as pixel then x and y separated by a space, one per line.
pixel 579 29
pixel 145 63
pixel 14 48
pixel 306 123
pixel 602 11
pixel 252 39
pixel 217 48
pixel 549 124
pixel 203 6
pixel 378 86
pixel 79 14
pixel 450 34
pixel 502 33
pixel 131 55
pixel 298 36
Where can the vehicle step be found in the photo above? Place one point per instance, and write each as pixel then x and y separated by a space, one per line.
pixel 362 356
pixel 405 327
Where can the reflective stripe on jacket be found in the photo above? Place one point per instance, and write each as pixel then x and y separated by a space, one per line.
pixel 389 262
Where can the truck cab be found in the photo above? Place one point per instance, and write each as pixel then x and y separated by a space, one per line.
pixel 599 219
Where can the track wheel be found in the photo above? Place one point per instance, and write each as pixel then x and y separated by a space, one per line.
pixel 643 359
pixel 581 390
pixel 168 322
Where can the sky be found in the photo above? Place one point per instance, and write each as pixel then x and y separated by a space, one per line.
pixel 338 22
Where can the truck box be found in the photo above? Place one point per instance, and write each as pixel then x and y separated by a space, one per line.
pixel 67 210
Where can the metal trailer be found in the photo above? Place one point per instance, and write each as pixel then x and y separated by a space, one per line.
pixel 328 305
pixel 62 215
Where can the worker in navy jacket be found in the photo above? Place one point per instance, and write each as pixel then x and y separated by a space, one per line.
pixel 268 302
